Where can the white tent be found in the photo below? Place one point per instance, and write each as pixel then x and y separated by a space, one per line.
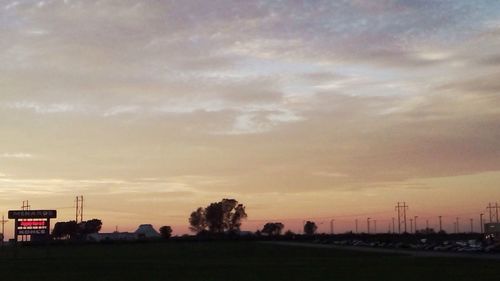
pixel 147 231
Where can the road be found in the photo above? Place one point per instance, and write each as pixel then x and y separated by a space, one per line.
pixel 414 253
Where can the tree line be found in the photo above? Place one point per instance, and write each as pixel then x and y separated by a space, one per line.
pixel 222 217
pixel 226 216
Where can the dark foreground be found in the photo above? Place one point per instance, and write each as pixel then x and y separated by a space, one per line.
pixel 206 261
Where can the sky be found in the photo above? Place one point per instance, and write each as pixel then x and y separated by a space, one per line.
pixel 300 110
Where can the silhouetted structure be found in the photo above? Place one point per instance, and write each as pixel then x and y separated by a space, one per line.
pixel 401 209
pixel 492 231
pixel 28 223
pixel 147 231
pixel 79 209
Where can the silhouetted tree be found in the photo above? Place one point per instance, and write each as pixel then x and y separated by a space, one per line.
pixel 310 228
pixel 273 228
pixel 197 221
pixel 65 229
pixel 72 230
pixel 90 226
pixel 219 217
pixel 236 216
pixel 214 216
pixel 166 232
pixel 426 231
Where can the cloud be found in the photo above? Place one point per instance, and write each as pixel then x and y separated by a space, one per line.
pixel 268 93
pixel 179 186
pixel 16 155
pixel 42 108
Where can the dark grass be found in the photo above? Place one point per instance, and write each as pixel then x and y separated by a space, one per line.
pixel 207 261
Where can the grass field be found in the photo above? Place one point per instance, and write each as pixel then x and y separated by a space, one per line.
pixel 207 261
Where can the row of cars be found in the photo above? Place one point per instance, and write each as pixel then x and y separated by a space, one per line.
pixel 423 245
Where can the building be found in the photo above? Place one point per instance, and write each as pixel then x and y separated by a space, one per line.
pixel 146 231
pixel 143 232
pixel 114 236
pixel 492 231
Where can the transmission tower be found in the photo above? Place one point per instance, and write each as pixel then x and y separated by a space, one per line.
pixel 26 205
pixel 79 208
pixel 493 210
pixel 401 209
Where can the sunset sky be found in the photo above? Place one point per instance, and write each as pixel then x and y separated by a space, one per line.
pixel 298 109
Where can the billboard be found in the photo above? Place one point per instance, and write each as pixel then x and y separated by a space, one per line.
pixel 32 214
pixel 43 231
pixel 32 222
pixel 492 228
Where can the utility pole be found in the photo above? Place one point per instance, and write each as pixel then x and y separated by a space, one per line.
pixel 79 208
pixel 25 207
pixel 427 224
pixel 331 226
pixel 356 222
pixel 471 225
pixel 440 223
pixel 411 225
pixel 368 224
pixel 393 224
pixel 481 222
pixel 401 209
pixel 3 221
pixel 375 226
pixel 415 223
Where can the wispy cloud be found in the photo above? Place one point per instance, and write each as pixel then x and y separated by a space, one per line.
pixel 43 108
pixel 251 97
pixel 16 155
